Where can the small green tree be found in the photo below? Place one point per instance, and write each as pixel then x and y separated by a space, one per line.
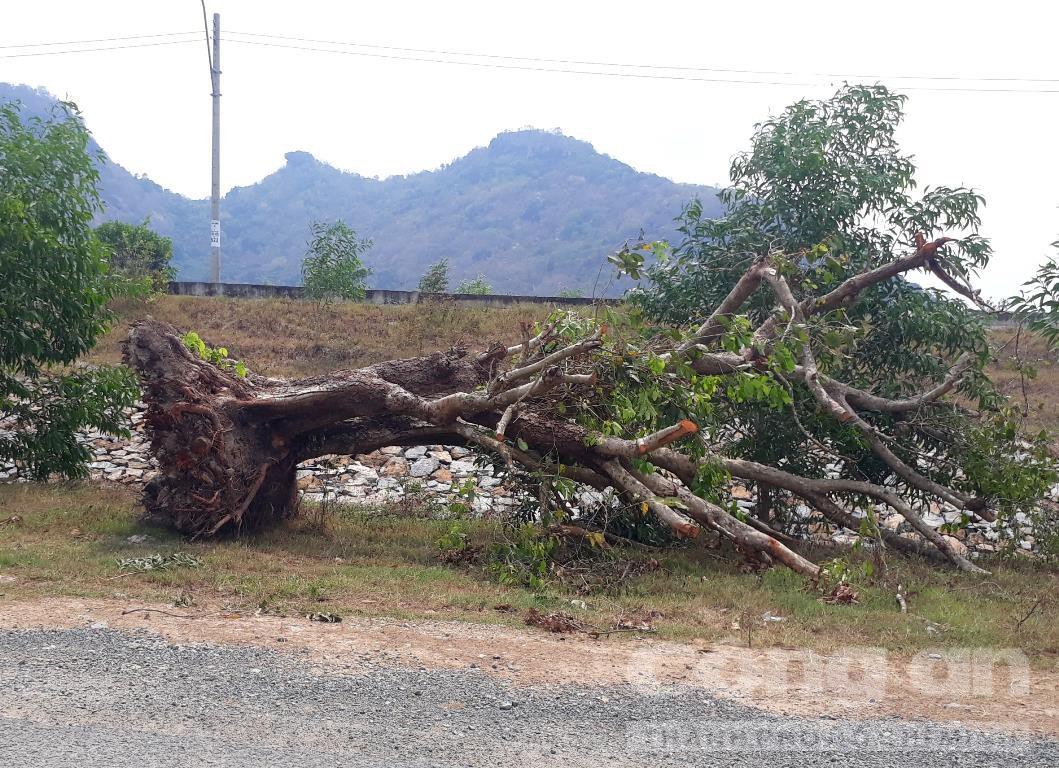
pixel 332 268
pixel 53 270
pixel 1038 306
pixel 137 252
pixel 479 286
pixel 436 278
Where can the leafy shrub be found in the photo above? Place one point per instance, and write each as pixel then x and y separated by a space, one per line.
pixel 524 558
pixel 137 253
pixel 436 278
pixel 332 268
pixel 216 355
pixel 479 286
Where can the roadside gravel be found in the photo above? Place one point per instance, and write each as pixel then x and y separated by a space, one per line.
pixel 100 697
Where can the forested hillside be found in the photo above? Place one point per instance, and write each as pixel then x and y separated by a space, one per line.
pixel 536 212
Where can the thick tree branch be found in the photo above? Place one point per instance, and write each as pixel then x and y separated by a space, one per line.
pixel 851 287
pixel 711 516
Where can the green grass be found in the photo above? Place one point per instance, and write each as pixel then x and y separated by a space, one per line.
pixel 370 563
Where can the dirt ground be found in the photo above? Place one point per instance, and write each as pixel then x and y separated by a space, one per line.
pixel 945 687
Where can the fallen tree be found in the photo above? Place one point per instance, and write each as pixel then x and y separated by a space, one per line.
pixel 229 444
pixel 782 346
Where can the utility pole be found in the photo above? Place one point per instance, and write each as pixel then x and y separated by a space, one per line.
pixel 215 190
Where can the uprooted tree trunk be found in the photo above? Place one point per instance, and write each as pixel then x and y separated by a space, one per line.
pixel 228 445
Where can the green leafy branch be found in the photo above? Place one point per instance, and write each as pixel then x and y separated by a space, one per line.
pixel 216 355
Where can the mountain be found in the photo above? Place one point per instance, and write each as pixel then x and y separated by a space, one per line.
pixel 534 211
pixel 126 197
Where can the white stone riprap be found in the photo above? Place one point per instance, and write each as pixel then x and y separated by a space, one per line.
pixel 113 459
pixel 433 476
pixel 430 474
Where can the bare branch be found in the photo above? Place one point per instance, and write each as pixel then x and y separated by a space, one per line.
pixel 639 492
pixel 894 462
pixel 810 374
pixel 717 363
pixel 852 286
pixel 960 287
pixel 505 380
pixel 872 402
pixel 940 545
pixel 665 436
pixel 505 419
pixel 528 459
pixel 714 324
pixel 812 489
pixel 528 346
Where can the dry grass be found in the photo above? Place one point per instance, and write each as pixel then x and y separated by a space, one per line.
pixel 1039 395
pixel 279 337
pixel 369 563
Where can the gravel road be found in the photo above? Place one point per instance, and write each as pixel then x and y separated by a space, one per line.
pixel 99 697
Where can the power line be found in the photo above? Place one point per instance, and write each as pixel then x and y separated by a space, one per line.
pixel 94 50
pixel 671 67
pixel 467 54
pixel 635 75
pixel 491 65
pixel 206 28
pixel 95 40
pixel 559 66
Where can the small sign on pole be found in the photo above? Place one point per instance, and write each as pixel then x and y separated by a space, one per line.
pixel 215 233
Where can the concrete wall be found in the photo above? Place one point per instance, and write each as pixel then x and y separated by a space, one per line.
pixel 236 290
pixel 373 296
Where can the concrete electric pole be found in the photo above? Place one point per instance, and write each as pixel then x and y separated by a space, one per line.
pixel 215 189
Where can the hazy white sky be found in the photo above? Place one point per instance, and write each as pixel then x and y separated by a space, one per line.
pixel 150 108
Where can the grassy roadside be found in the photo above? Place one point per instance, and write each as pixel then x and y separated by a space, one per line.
pixel 369 563
pixel 65 541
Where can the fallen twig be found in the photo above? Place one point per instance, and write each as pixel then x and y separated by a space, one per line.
pixel 169 613
pixel 601 632
pixel 1030 612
